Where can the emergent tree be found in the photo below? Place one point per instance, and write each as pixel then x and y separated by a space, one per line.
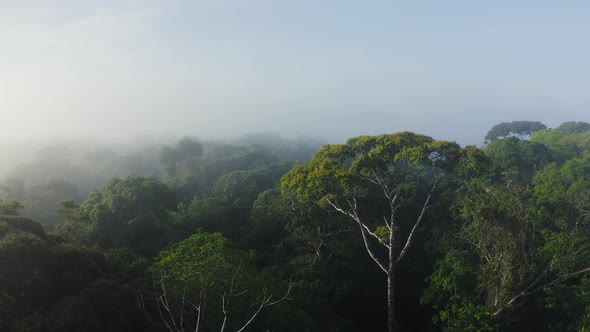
pixel 385 184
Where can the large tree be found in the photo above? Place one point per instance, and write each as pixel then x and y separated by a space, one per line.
pixel 384 184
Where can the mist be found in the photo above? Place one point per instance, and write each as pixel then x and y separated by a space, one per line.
pixel 116 80
pixel 114 71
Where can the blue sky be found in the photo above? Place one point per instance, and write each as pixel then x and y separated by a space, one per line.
pixel 449 69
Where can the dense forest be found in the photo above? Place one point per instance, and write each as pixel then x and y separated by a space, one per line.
pixel 395 232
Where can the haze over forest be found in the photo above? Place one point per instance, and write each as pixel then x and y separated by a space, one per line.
pixel 113 70
pixel 294 166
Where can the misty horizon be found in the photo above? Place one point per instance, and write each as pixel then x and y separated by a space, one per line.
pixel 114 71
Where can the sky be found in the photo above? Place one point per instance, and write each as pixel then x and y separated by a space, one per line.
pixel 336 69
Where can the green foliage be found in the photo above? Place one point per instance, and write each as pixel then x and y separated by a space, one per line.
pixel 571 178
pixel 181 158
pixel 270 217
pixel 39 201
pixel 209 214
pixel 24 224
pixel 403 162
pixel 505 235
pixel 453 283
pixel 126 265
pixel 26 265
pixel 202 260
pixel 206 271
pixel 21 255
pixel 241 187
pixel 373 180
pixel 568 305
pixel 130 212
pixel 493 260
pixel 76 266
pixel 42 200
pixel 222 170
pixel 516 160
pixel 521 129
pixel 573 127
pixel 46 286
pixel 524 244
pixel 566 142
pixel 10 208
pixel 131 196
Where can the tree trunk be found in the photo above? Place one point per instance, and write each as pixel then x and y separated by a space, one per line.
pixel 391 327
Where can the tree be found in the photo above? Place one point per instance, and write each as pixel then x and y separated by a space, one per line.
pixel 520 129
pixel 10 208
pixel 26 258
pixel 181 158
pixel 209 214
pixel 573 127
pixel 203 284
pixel 241 187
pixel 516 160
pixel 564 143
pixel 13 188
pixel 42 201
pixel 486 259
pixel 517 245
pixel 385 184
pixel 247 159
pixel 130 212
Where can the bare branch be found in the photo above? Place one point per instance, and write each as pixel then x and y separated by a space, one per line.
pixel 363 233
pixel 158 305
pixel 225 302
pixel 413 231
pixel 528 291
pixel 386 223
pixel 224 309
pixel 483 252
pixel 370 251
pixel 266 302
pixel 354 216
pixel 370 180
pixel 141 303
pixel 164 300
pixel 425 207
pixel 367 229
pixel 563 278
pixel 199 306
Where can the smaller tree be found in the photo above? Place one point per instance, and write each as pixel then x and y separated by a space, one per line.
pixel 203 284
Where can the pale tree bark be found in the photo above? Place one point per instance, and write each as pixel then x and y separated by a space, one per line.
pixel 546 275
pixel 536 285
pixel 176 322
pixel 388 266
